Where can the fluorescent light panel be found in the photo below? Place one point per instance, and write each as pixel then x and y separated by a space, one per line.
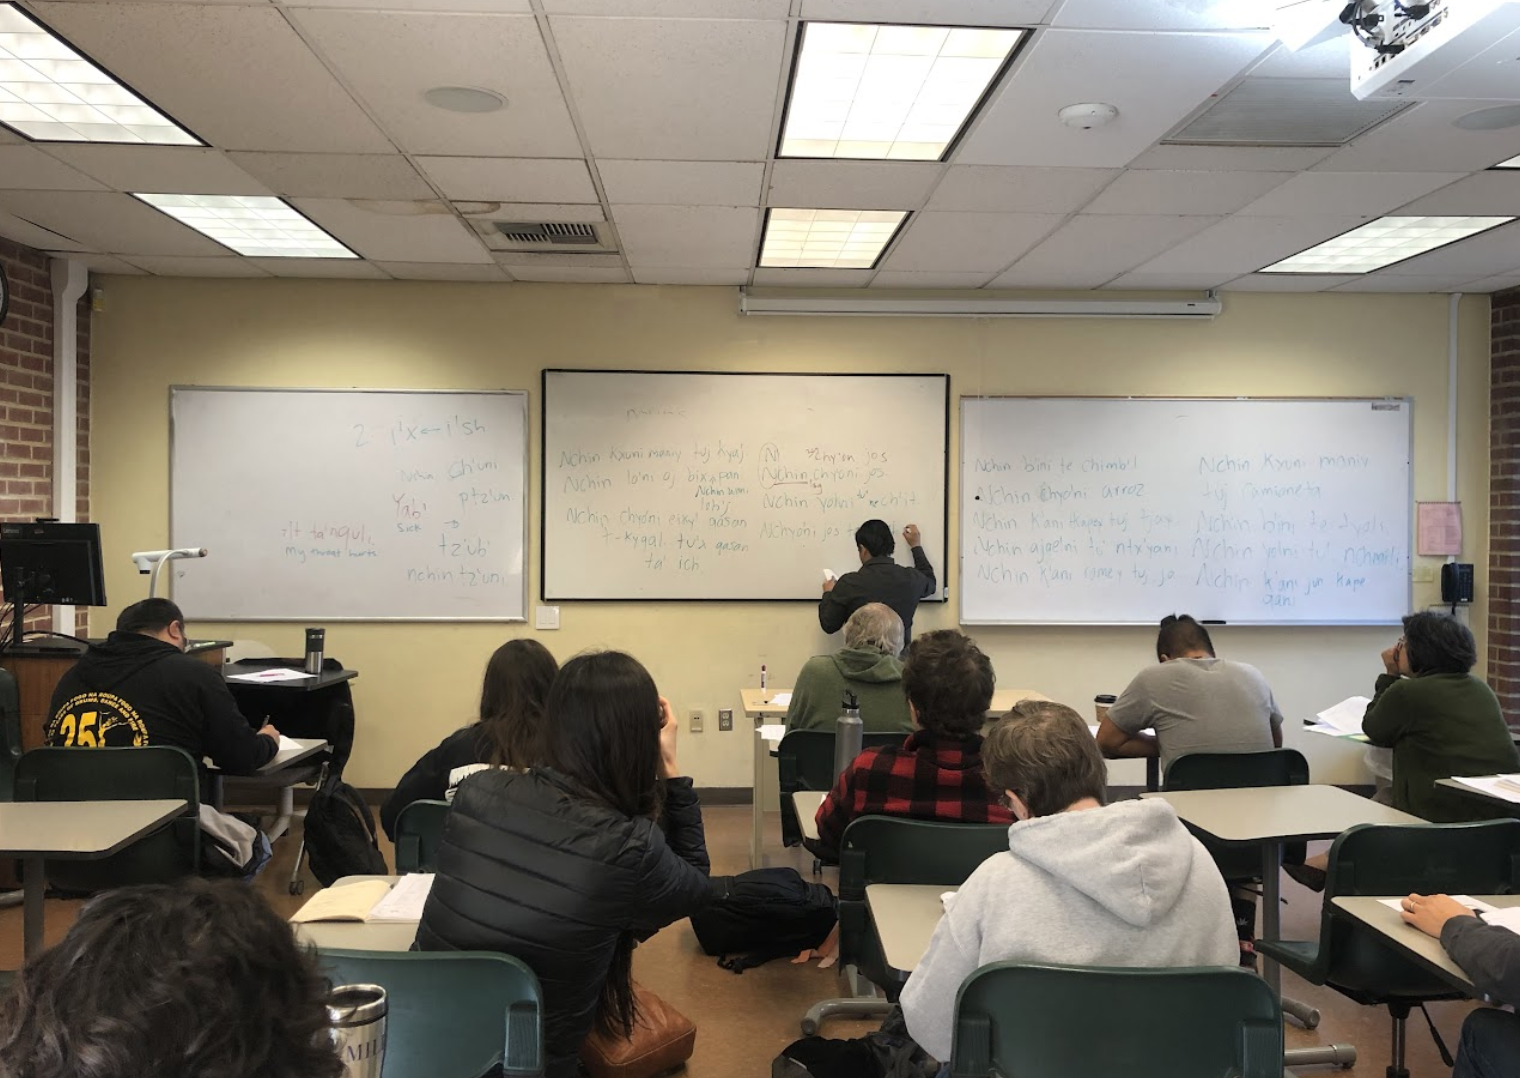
pixel 51 93
pixel 827 239
pixel 864 90
pixel 256 226
pixel 1383 242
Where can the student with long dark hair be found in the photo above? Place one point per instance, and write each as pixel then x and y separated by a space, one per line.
pixel 568 865
pixel 509 732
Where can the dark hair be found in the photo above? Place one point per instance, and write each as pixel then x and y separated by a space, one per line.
pixel 512 702
pixel 149 616
pixel 1439 644
pixel 876 537
pixel 1044 753
pixel 191 978
pixel 603 732
pixel 949 682
pixel 1180 633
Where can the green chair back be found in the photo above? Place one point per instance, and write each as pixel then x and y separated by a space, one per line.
pixel 1231 771
pixel 419 833
pixel 1016 1020
pixel 149 773
pixel 10 734
pixel 456 1014
pixel 805 761
pixel 892 849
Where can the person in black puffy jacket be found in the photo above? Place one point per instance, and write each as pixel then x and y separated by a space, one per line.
pixel 508 734
pixel 568 865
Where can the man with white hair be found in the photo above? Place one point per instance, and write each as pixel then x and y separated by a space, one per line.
pixel 868 667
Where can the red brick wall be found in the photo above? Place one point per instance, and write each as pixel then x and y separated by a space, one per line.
pixel 26 396
pixel 1504 504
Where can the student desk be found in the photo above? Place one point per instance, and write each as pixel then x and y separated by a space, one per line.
pixel 761 706
pixel 1453 784
pixel 355 935
pixel 807 802
pixel 280 772
pixel 71 831
pixel 1425 950
pixel 905 916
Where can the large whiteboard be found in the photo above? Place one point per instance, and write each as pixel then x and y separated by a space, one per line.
pixel 733 486
pixel 349 504
pixel 1101 511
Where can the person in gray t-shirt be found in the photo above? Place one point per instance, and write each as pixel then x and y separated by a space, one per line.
pixel 1193 701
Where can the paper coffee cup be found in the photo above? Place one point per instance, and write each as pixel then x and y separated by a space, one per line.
pixel 1101 703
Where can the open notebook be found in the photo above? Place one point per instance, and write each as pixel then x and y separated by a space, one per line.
pixel 369 901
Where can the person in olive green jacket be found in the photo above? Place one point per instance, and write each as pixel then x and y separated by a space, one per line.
pixel 1439 721
pixel 868 667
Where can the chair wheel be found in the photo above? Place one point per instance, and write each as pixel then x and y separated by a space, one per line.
pixel 297 887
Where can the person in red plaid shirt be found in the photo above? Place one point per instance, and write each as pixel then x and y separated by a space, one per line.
pixel 936 774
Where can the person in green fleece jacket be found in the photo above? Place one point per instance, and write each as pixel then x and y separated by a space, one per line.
pixel 868 667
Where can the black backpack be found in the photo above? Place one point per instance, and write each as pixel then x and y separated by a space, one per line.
pixel 340 834
pixel 764 914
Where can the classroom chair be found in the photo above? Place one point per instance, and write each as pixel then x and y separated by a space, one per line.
pixel 1463 858
pixel 1232 771
pixel 1205 1022
pixel 458 1014
pixel 10 734
pixel 419 833
pixel 120 774
pixel 892 849
pixel 805 761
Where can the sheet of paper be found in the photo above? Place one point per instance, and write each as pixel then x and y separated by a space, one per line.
pixel 1504 787
pixel 1346 716
pixel 1467 900
pixel 1438 529
pixel 773 731
pixel 405 900
pixel 1506 918
pixel 290 744
pixel 782 698
pixel 351 902
pixel 274 673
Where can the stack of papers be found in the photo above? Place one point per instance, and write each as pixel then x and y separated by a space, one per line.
pixel 1506 918
pixel 274 673
pixel 370 901
pixel 1344 719
pixel 1504 787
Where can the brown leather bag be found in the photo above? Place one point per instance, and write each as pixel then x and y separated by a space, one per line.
pixel 663 1039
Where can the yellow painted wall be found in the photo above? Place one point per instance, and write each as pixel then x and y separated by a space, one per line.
pixel 419 681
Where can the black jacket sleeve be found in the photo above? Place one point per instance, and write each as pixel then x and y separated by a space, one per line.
pixel 836 605
pixel 1489 954
pixel 232 744
pixel 673 879
pixel 921 563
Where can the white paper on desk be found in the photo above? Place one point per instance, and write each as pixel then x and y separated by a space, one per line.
pixel 1467 900
pixel 773 731
pixel 1346 716
pixel 290 744
pixel 404 902
pixel 782 698
pixel 274 673
pixel 1505 918
pixel 1504 787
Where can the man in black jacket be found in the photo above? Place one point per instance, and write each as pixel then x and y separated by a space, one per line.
pixel 1490 955
pixel 878 580
pixel 139 688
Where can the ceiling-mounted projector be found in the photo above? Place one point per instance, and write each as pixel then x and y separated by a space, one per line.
pixel 1441 50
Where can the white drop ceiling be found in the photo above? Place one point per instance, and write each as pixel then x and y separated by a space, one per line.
pixel 662 117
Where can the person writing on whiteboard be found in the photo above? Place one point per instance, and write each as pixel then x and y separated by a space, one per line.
pixel 879 579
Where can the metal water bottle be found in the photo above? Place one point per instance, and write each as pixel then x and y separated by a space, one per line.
pixel 847 734
pixel 357 1013
pixel 316 640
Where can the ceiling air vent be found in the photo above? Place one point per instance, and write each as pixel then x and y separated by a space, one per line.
pixel 582 238
pixel 1285 112
pixel 548 233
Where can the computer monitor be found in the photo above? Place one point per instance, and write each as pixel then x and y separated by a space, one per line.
pixel 50 563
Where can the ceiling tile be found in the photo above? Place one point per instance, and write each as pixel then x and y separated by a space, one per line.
pixel 1162 15
pixel 688 90
pixel 443 271
pixel 1329 59
pixel 28 168
pixel 237 76
pixel 1494 284
pixel 390 59
pixel 1422 139
pixel 962 242
pixel 915 279
pixel 1494 193
pixel 1155 79
pixel 531 211
pixel 851 185
pixel 1233 158
pixel 322 267
pixel 1285 282
pixel 931 12
pixel 1169 282
pixel 335 175
pixel 1484 255
pixel 689 237
pixel 496 7
pixel 680 9
pixel 35 236
pixel 1368 193
pixel 682 183
pixel 1155 191
pixel 989 189
pixel 515 261
pixel 169 266
pixel 1239 245
pixel 813 278
pixel 106 264
pixel 107 222
pixel 1088 251
pixel 571 274
pixel 689 275
pixel 396 231
pixel 1424 283
pixel 488 179
pixel 162 170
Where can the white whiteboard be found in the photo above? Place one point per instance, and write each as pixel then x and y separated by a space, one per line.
pixel 348 504
pixel 733 486
pixel 1105 511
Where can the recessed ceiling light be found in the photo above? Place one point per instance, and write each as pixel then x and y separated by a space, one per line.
pixel 464 99
pixel 50 92
pixel 1383 242
pixel 256 226
pixel 864 90
pixel 1513 162
pixel 1498 118
pixel 827 239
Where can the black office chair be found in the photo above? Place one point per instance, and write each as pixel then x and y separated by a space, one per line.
pixel 1466 858
pixel 805 761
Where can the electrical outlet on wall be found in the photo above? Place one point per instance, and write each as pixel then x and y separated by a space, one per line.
pixel 696 722
pixel 725 718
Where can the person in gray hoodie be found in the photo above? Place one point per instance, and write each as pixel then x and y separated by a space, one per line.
pixel 868 667
pixel 1082 884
